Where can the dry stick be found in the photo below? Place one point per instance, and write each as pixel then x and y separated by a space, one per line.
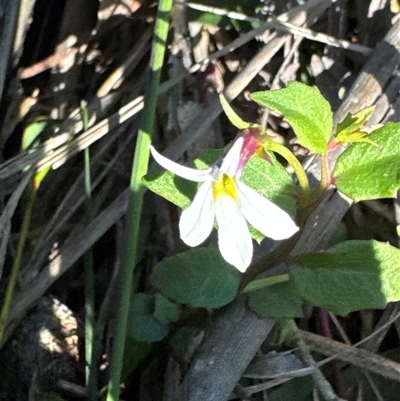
pixel 348 342
pixel 321 37
pixel 373 344
pixel 277 379
pixel 257 388
pixel 316 235
pixel 356 356
pixel 225 362
pixel 55 152
pixel 45 64
pixel 323 385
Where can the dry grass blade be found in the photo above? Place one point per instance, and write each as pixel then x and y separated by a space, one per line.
pixel 8 212
pixel 321 37
pixel 72 201
pixel 56 155
pixel 73 249
pixel 356 356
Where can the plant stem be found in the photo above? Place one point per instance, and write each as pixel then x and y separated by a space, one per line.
pixel 135 202
pixel 231 114
pixel 294 162
pixel 17 262
pixel 325 176
pixel 90 346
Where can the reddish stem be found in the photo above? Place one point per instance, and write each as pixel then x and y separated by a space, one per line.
pixel 337 376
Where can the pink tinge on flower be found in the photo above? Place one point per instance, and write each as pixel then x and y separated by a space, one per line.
pixel 251 145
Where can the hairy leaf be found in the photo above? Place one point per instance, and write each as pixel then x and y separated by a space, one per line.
pixel 351 276
pixel 198 277
pixel 364 172
pixel 307 111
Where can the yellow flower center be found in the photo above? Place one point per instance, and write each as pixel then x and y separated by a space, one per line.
pixel 225 186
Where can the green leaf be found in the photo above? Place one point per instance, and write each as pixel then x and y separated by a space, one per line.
pixel 175 189
pixel 231 114
pixel 353 122
pixel 270 180
pixel 364 172
pixel 353 129
pixel 356 136
pixel 198 277
pixel 278 300
pixel 135 351
pixel 144 326
pixel 165 310
pixel 41 175
pixel 33 130
pixel 261 283
pixel 350 276
pixel 307 111
pixel 185 341
pixel 299 389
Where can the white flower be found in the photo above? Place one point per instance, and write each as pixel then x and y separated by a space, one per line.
pixel 224 197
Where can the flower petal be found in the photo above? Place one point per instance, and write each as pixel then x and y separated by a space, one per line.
pixel 197 220
pixel 185 172
pixel 234 239
pixel 231 161
pixel 264 215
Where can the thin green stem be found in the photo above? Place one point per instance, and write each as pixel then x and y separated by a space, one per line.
pixel 17 263
pixel 325 176
pixel 294 162
pixel 263 282
pixel 90 347
pixel 231 114
pixel 135 203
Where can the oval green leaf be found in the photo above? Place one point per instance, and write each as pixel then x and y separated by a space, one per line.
pixel 351 276
pixel 198 277
pixel 278 300
pixel 165 310
pixel 143 325
pixel 307 111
